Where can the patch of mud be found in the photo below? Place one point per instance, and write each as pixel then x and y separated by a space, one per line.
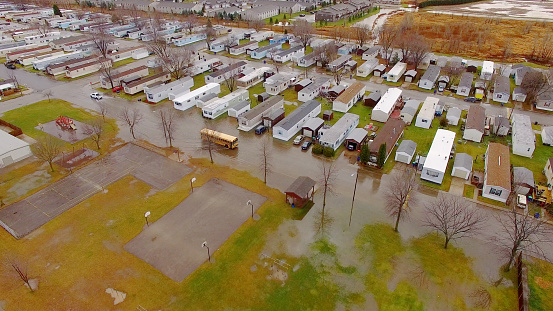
pixel 34 234
pixel 28 183
pixel 151 192
pixel 350 283
pixel 62 236
pixel 292 238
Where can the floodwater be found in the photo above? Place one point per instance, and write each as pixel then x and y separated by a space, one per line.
pixel 29 79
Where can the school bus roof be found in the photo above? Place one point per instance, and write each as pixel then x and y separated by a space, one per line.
pixel 221 135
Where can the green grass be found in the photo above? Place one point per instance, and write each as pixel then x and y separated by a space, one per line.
pixel 347 22
pixel 199 80
pixel 490 201
pixel 280 17
pixel 468 191
pixel 255 90
pixel 243 41
pixel 123 62
pixel 263 43
pixel 540 281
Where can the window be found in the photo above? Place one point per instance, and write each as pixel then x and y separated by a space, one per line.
pixel 432 174
pixel 495 191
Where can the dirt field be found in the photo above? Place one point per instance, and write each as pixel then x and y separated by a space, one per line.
pixel 496 39
pixel 24 216
pixel 173 244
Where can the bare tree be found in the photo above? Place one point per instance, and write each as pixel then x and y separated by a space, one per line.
pixel 107 71
pixel 304 31
pixel 387 36
pixel 167 120
pixel 95 129
pixel 131 116
pixel 229 42
pixel 21 270
pixel 327 179
pixel 42 27
pixel 454 217
pixel 326 53
pixel 266 158
pixel 535 83
pixel 419 49
pixel 257 25
pixel 454 71
pixel 231 76
pixel 47 93
pixel 522 233
pixel 190 22
pixel 177 62
pixel 209 33
pixel 337 74
pixel 208 126
pixel 135 16
pixel 47 148
pixel 103 109
pixel 276 64
pixel 363 34
pixel 102 41
pixel 400 192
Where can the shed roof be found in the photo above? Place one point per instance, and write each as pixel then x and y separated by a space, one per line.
pixel 454 113
pixel 407 146
pixel 357 134
pixel 313 123
pixel 476 118
pixel 463 160
pixel 374 96
pixel 411 107
pixel 301 186
pixel 522 175
pixel 9 143
pixel 498 166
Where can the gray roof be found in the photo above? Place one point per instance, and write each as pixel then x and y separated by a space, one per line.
pixel 301 186
pixel 523 175
pixel 228 68
pixel 340 60
pixel 340 127
pixel 357 134
pixel 548 137
pixel 411 106
pixel 501 121
pixel 299 113
pixel 519 90
pixel 208 97
pixel 275 114
pixel 454 113
pixel 502 85
pixel 304 82
pixel 262 107
pixel 380 67
pixel 374 96
pixel 314 85
pixel 466 80
pixel 313 123
pixel 411 73
pixel 241 105
pixel 290 51
pixel 463 160
pixel 268 47
pixel 407 146
pixel 522 129
pixel 431 73
pixel 338 89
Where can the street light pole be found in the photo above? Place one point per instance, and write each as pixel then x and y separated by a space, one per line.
pixel 146 215
pixel 353 198
pixel 204 244
pixel 250 203
pixel 192 183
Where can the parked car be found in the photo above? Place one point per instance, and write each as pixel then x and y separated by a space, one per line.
pixel 470 99
pixel 306 145
pixel 302 15
pixel 441 88
pixel 260 129
pixel 298 139
pixel 312 12
pixel 117 88
pixel 10 65
pixel 96 96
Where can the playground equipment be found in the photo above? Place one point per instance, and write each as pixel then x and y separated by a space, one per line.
pixel 65 123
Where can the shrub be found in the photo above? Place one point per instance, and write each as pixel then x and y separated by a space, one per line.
pixel 317 149
pixel 328 152
pixel 443 121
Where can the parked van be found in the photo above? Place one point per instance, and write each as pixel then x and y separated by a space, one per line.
pixel 260 129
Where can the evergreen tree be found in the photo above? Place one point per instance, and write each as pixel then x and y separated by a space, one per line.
pixel 364 155
pixel 56 10
pixel 284 16
pixel 271 20
pixel 381 156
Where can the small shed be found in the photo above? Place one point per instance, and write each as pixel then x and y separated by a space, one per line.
pixel 328 115
pixel 263 97
pixel 300 191
pixel 311 127
pixel 372 99
pixel 336 91
pixel 410 75
pixel 239 109
pixel 462 166
pixel 356 138
pixel 379 70
pixel 273 118
pixel 453 115
pixel 501 126
pixel 351 65
pixel 406 151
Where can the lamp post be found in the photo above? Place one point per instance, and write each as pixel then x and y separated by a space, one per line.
pixel 204 244
pixel 353 198
pixel 146 215
pixel 250 203
pixel 192 183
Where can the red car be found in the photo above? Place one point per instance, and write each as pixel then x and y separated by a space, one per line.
pixel 117 88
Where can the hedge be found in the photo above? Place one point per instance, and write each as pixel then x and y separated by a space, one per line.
pixel 328 152
pixel 444 2
pixel 317 149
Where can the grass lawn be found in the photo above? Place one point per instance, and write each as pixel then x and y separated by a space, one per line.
pixel 540 281
pixel 123 62
pixel 199 80
pixel 254 91
pixel 282 17
pixel 83 239
pixel 490 201
pixel 264 43
pixel 468 191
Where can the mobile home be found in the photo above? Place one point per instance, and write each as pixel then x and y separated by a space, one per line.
pixel 222 105
pixel 188 100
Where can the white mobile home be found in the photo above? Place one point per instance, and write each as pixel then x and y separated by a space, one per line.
pixel 189 39
pixel 243 48
pixel 313 90
pixel 261 36
pixel 386 105
pixel 56 69
pixel 253 77
pixel 43 63
pixel 87 68
pixel 202 66
pixel 138 85
pixel 428 79
pixel 497 177
pixel 435 166
pixel 222 105
pixel 188 100
pixel 396 72
pixel 12 149
pixel 239 109
pixel 264 50
pixel 277 83
pixel 350 96
pixel 307 60
pixel 335 136
pixel 367 67
pixel 524 139
pixel 253 117
pixel 161 92
pixel 134 52
pixel 293 123
pixel 30 59
pixel 487 70
pixel 292 54
pixel 426 114
pixel 227 72
pixel 475 124
pixel 465 84
pixel 43 38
